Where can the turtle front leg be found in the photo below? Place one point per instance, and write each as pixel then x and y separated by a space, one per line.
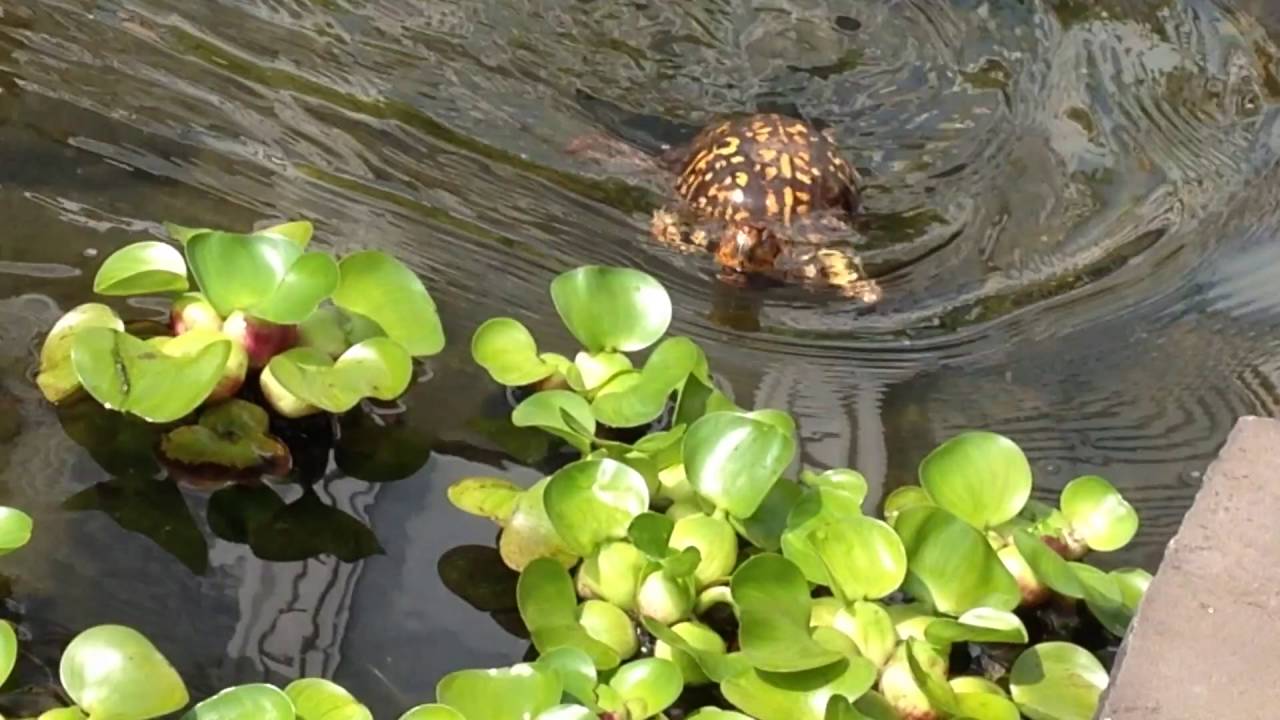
pixel 844 272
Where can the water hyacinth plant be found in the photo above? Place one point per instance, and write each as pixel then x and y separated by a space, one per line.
pixel 312 334
pixel 774 594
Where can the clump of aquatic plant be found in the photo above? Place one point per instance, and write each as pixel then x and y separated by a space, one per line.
pixel 310 332
pixel 325 333
pixel 771 589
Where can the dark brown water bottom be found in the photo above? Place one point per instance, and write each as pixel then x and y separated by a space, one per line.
pixel 1073 208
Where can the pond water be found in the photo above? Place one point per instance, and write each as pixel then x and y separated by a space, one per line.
pixel 1072 207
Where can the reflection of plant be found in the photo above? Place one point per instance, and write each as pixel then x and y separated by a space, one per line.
pixel 261 305
pixel 778 592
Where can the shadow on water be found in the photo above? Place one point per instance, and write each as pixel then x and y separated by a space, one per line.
pixel 1072 207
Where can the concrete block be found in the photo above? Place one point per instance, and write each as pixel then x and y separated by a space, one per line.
pixel 1205 644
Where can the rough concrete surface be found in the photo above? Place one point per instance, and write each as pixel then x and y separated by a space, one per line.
pixel 1205 644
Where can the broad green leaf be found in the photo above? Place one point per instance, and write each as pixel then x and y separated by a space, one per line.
pixel 387 292
pixel 698 636
pixel 862 556
pixel 320 699
pixel 651 684
pixel 529 534
pixel 715 663
pixel 232 435
pixel 591 371
pixel 126 374
pixel 562 413
pixel 1098 514
pixel 519 692
pixel 902 498
pixel 710 713
pixel 929 670
pixel 733 459
pixel 612 308
pixel 614 573
pixel 377 368
pixel 309 281
pixel 591 501
pixel 842 479
pixel 874 706
pixel 8 650
pixel 773 608
pixel 298 232
pixel 577 672
pixel 332 330
pixel 650 532
pixel 643 401
pixel 979 625
pixel 493 498
pixel 981 477
pixel 548 605
pixel 716 543
pixel 143 268
pixel 237 272
pixel 1133 583
pixel 1057 681
pixel 57 378
pixel 183 234
pixel 567 712
pixel 801 695
pixel 15 530
pixel 507 351
pixel 610 625
pixel 767 525
pixel 1049 567
pixel 111 671
pixel 971 684
pixel 258 701
pixel 870 627
pixel 950 564
pixel 434 711
pixel 1104 598
pixel 819 507
pixel 986 706
pixel 71 713
pixel 700 397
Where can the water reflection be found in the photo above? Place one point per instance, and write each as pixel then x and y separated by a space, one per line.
pixel 1072 207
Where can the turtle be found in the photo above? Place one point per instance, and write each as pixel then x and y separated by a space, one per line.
pixel 764 193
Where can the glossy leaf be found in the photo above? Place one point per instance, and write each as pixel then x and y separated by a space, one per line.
pixel 529 534
pixel 507 351
pixel 309 281
pixel 577 672
pixel 717 665
pixel 387 292
pixel 15 530
pixel 649 684
pixel 986 706
pixel 979 625
pixel 1099 514
pixel 591 371
pixel 237 272
pixel 567 712
pixel 257 701
pixel 710 713
pixel 8 650
pixel 548 606
pixel 376 368
pixel 1133 584
pixel 981 477
pixel 519 692
pixel 612 308
pixel 733 459
pixel 233 435
pixel 57 379
pixel 773 608
pixel 863 557
pixel 111 671
pixel 716 543
pixel 1049 567
pixel 870 627
pixel 951 565
pixel 434 711
pixel 651 532
pixel 298 232
pixel 767 525
pixel 643 401
pixel 591 501
pixel 492 498
pixel 1104 598
pixel 1057 681
pixel 142 268
pixel 902 498
pixel 126 374
pixel 798 696
pixel 320 699
pixel 845 480
pixel 819 507
pixel 562 413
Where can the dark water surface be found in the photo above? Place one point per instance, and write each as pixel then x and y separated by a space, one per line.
pixel 1073 206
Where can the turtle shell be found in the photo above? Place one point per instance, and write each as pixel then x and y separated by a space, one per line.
pixel 765 169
